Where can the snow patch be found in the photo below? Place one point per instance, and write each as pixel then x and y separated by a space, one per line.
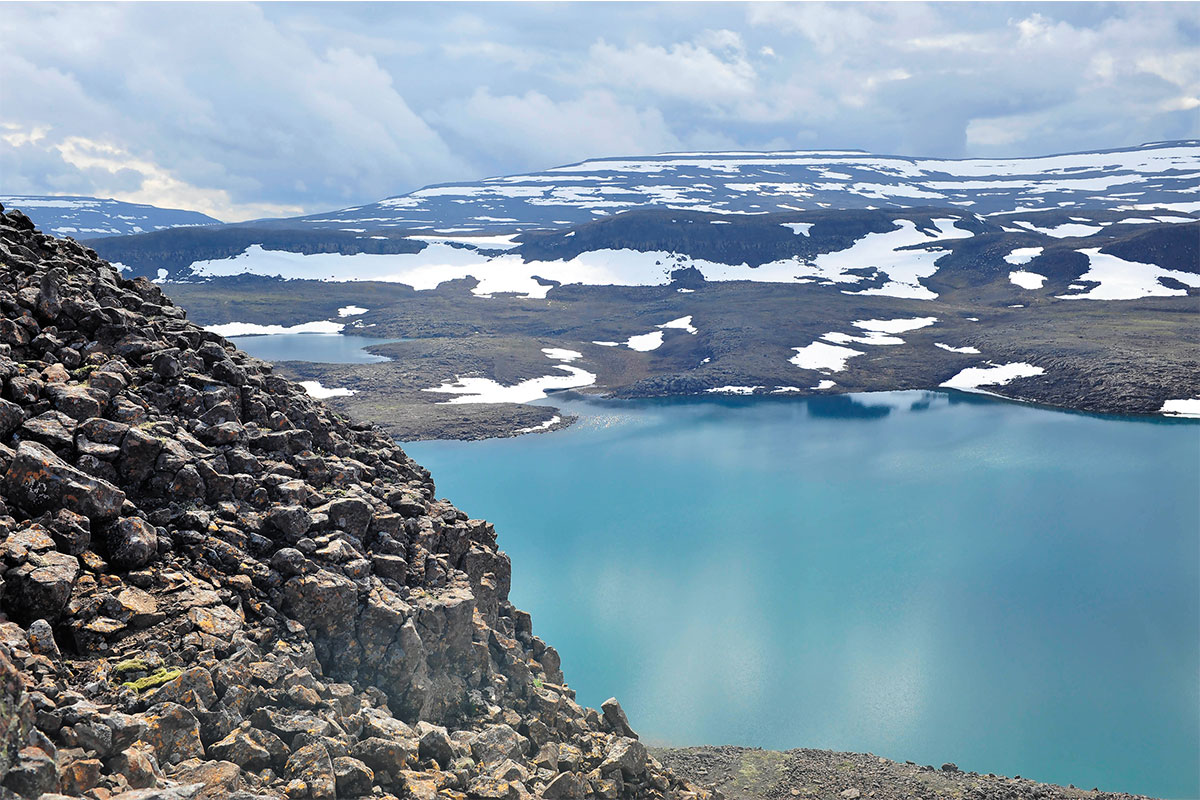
pixel 970 350
pixel 352 311
pixel 315 389
pixel 645 342
pixel 1023 255
pixel 1128 280
pixel 550 423
pixel 683 323
pixel 1027 280
pixel 991 375
pixel 820 355
pixel 229 329
pixel 799 228
pixel 733 389
pixel 1181 408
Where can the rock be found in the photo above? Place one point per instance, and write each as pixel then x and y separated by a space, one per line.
pixel 385 755
pixel 138 765
pixel 220 779
pixel 79 776
pixel 250 749
pixel 491 788
pixel 627 755
pixel 220 621
pixel 615 720
pixel 288 561
pixel 851 794
pixel 11 417
pixel 312 765
pixel 565 786
pixel 498 742
pixel 350 514
pixel 40 481
pixel 72 532
pixel 33 774
pixel 435 743
pixel 138 607
pixel 132 543
pixel 41 587
pixel 41 639
pixel 292 521
pixel 174 733
pixel 354 778
pixel 950 767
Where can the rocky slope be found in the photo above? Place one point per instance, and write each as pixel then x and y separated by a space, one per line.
pixel 214 586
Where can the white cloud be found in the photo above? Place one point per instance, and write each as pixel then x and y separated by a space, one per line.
pixel 713 67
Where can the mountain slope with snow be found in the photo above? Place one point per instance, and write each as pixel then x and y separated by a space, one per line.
pixel 94 217
pixel 1164 176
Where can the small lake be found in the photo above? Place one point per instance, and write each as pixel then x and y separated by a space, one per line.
pixel 925 576
pixel 326 348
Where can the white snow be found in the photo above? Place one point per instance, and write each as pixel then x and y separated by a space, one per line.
pixel 685 291
pixel 991 375
pixel 971 350
pixel 786 389
pixel 895 325
pixel 683 323
pixel 799 228
pixel 820 355
pixel 486 390
pixel 352 311
pixel 1062 231
pixel 550 423
pixel 903 268
pixel 1023 255
pixel 560 354
pixel 315 389
pixel 645 342
pixel 1027 280
pixel 1181 408
pixel 501 242
pixel 162 275
pixel 822 385
pixel 872 337
pixel 250 329
pixel 607 344
pixel 733 389
pixel 1128 280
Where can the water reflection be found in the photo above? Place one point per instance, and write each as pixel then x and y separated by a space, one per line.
pixel 326 348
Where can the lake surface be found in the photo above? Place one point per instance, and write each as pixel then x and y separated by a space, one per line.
pixel 924 576
pixel 326 348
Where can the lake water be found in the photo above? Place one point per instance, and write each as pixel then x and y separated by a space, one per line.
pixel 924 576
pixel 326 348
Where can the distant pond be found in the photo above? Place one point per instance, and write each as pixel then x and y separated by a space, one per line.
pixel 326 348
pixel 926 576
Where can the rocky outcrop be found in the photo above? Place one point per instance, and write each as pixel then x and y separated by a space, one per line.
pixel 213 586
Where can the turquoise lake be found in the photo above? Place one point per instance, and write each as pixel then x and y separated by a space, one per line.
pixel 326 348
pixel 925 576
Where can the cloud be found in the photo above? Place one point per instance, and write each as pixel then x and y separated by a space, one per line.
pixel 244 110
pixel 711 68
pixel 532 129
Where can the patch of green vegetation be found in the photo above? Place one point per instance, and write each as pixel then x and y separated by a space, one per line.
pixel 83 373
pixel 537 683
pixel 128 666
pixel 761 768
pixel 158 678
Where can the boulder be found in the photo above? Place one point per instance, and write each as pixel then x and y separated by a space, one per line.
pixel 312 765
pixel 40 481
pixel 41 587
pixel 173 732
pixel 33 774
pixel 132 543
pixel 615 719
pixel 498 742
pixel 565 786
pixel 354 778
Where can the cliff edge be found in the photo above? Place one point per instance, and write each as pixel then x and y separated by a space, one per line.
pixel 214 586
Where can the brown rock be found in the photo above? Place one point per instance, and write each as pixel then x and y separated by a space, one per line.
pixel 312 765
pixel 40 481
pixel 174 733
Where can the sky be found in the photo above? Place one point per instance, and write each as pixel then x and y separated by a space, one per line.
pixel 251 110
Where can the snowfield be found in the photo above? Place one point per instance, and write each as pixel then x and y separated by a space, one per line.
pixel 992 375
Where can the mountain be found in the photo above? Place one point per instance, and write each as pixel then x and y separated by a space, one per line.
pixel 1162 175
pixel 93 217
pixel 1090 306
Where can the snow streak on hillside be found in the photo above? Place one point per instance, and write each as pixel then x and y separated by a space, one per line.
pixel 93 217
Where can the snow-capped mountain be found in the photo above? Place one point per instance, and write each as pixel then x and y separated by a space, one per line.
pixel 1162 175
pixel 94 217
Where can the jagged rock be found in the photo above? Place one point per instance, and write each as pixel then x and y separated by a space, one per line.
pixel 385 755
pixel 132 543
pixel 173 732
pixel 220 779
pixel 312 765
pixel 32 774
pixel 498 742
pixel 627 755
pixel 615 719
pixel 16 714
pixel 79 776
pixel 41 639
pixel 565 786
pixel 435 743
pixel 354 778
pixel 42 586
pixel 40 481
pixel 250 748
pixel 139 767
